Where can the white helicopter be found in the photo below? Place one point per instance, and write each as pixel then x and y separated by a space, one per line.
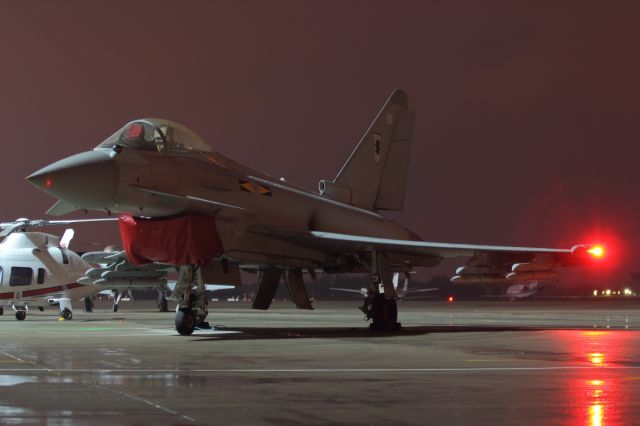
pixel 38 269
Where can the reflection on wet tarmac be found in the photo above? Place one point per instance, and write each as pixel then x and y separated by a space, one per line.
pixel 11 380
pixel 598 394
pixel 474 372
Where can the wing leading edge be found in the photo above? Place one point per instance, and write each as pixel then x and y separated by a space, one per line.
pixel 487 264
pixel 444 250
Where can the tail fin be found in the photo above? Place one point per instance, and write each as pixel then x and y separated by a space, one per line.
pixel 375 175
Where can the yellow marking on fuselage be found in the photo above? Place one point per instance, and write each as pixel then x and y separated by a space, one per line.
pixel 247 186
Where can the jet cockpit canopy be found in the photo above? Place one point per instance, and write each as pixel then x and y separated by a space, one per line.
pixel 155 134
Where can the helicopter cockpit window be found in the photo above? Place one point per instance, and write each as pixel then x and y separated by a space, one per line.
pixel 155 134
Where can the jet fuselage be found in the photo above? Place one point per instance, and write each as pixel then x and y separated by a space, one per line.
pixel 246 203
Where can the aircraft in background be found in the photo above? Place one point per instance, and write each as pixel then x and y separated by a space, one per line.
pixel 182 203
pixel 38 270
pixel 523 290
pixel 401 292
pixel 518 291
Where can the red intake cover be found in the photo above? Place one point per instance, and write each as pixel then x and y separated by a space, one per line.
pixel 183 240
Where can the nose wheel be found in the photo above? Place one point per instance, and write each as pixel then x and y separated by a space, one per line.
pixel 21 315
pixel 192 302
pixel 185 321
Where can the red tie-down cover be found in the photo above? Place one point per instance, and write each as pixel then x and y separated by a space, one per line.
pixel 182 240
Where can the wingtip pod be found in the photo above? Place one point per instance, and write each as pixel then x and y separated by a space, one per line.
pixel 588 253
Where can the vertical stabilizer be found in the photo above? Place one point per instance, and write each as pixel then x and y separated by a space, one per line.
pixel 375 175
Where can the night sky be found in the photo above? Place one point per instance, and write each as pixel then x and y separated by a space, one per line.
pixel 527 112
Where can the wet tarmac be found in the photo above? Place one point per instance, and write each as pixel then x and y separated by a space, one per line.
pixel 569 363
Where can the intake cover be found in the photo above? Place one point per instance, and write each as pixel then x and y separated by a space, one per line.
pixel 182 240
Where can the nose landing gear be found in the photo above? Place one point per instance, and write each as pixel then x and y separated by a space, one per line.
pixel 185 321
pixel 192 305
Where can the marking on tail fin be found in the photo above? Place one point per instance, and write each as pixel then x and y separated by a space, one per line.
pixel 378 184
pixel 377 147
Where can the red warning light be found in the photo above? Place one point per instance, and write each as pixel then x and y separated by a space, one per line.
pixel 596 251
pixel 450 299
pixel 48 182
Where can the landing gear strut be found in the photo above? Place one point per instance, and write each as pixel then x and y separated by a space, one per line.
pixel 117 296
pixel 380 306
pixel 382 312
pixel 163 305
pixel 88 304
pixel 192 305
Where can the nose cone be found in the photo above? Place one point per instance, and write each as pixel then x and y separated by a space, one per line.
pixel 87 181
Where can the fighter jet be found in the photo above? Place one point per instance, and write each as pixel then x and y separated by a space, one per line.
pixel 183 203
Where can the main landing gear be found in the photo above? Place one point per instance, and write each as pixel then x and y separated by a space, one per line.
pixel 66 314
pixel 382 312
pixel 65 309
pixel 192 305
pixel 380 307
pixel 88 304
pixel 163 304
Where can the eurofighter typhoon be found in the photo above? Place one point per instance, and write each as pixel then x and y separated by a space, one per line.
pixel 182 203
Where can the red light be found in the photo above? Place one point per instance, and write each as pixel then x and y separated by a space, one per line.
pixel 135 131
pixel 596 251
pixel 48 183
pixel 450 299
pixel 596 358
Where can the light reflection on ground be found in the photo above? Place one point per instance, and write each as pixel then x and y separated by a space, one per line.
pixel 329 373
pixel 597 394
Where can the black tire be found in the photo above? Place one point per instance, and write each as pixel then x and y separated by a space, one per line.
pixel 384 314
pixel 66 314
pixel 1 311
pixel 21 315
pixel 185 321
pixel 115 308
